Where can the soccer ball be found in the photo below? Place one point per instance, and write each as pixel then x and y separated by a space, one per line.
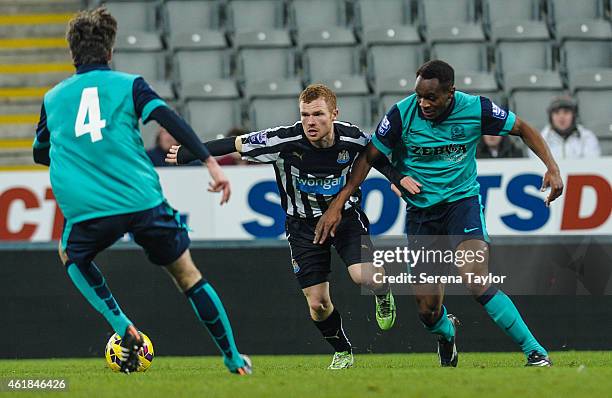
pixel 113 353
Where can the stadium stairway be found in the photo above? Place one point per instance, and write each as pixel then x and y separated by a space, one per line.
pixel 33 57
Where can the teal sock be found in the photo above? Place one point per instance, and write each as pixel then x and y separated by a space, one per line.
pixel 91 283
pixel 209 309
pixel 442 327
pixel 504 313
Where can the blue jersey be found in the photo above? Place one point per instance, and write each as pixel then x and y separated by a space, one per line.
pixel 99 166
pixel 440 154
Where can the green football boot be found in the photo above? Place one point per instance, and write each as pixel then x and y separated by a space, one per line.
pixel 385 311
pixel 341 360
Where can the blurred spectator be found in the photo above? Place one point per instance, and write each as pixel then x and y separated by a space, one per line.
pixel 163 142
pixel 566 138
pixel 233 159
pixel 497 146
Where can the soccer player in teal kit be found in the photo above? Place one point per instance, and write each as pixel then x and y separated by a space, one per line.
pixel 106 185
pixel 431 137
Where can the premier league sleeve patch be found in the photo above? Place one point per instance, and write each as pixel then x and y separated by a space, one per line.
pixel 258 138
pixel 384 127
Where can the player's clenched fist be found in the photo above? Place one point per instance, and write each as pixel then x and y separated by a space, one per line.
pixel 171 156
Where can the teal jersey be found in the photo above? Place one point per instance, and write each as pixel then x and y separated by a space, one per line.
pixel 99 166
pixel 440 154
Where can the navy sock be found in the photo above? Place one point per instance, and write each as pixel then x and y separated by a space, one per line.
pixel 333 333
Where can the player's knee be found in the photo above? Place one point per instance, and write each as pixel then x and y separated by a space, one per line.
pixel 429 313
pixel 319 305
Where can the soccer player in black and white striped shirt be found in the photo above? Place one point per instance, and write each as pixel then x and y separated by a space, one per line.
pixel 312 161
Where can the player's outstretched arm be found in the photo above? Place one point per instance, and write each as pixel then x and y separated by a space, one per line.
pixel 178 155
pixel 535 142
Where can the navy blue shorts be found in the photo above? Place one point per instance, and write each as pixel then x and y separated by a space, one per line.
pixel 158 231
pixel 453 221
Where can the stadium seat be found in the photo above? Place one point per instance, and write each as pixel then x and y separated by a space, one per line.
pixel 150 65
pixel 264 56
pixel 329 54
pixel 584 30
pixel 196 66
pixel 531 93
pixel 255 64
pixel 578 55
pixel 213 117
pixel 255 15
pixel 561 11
pixel 606 146
pixel 514 57
pixel 273 104
pixel 435 13
pixel 210 89
pixel 376 15
pixel 388 64
pixel 194 24
pixel 503 12
pixel 465 57
pixel 603 130
pixel 462 46
pixel 138 41
pixel 305 15
pixel 386 101
pixel 593 91
pixel 353 100
pixel 134 16
pixel 392 90
pixel 480 84
pixel 192 15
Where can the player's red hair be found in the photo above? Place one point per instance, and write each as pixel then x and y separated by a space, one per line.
pixel 316 91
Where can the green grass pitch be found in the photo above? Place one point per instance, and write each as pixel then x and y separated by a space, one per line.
pixel 575 374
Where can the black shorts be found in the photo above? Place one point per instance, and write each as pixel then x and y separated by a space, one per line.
pixel 158 231
pixel 312 262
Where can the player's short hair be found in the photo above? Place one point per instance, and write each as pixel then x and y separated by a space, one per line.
pixel 316 91
pixel 91 36
pixel 436 69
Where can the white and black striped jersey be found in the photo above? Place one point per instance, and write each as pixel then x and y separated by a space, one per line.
pixel 308 178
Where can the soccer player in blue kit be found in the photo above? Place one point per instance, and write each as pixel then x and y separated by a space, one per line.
pixel 431 137
pixel 106 186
